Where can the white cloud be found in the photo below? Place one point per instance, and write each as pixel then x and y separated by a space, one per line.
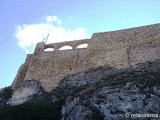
pixel 29 34
pixel 53 19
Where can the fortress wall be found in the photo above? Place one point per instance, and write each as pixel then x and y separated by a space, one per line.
pixel 51 66
pixel 144 53
pixel 114 58
pixel 22 71
pixel 125 38
pixel 119 49
pixel 28 58
pixel 118 46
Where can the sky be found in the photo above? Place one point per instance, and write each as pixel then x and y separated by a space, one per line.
pixel 24 23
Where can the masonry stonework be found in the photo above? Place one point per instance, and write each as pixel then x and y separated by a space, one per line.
pixel 119 49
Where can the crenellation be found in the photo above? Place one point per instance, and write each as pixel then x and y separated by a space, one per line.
pixel 119 49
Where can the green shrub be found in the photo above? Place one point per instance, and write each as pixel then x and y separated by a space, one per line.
pixel 30 111
pixel 6 93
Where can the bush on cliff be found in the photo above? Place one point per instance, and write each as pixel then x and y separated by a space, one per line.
pixel 30 111
pixel 6 93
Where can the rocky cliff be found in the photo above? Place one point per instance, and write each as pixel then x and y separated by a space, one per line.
pixel 102 93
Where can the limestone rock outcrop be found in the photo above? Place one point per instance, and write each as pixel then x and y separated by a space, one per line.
pixel 117 95
pixel 25 91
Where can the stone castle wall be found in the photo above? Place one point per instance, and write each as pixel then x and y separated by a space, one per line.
pixel 119 49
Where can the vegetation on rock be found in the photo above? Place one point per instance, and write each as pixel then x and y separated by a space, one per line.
pixel 29 111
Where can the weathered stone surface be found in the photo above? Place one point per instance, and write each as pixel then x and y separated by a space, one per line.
pixel 80 113
pixel 111 96
pixel 119 49
pixel 115 104
pixel 25 91
pixel 69 106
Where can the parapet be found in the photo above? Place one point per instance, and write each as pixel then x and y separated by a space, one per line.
pixel 119 49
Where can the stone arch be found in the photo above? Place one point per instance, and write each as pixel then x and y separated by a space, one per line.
pixel 49 49
pixel 66 47
pixel 81 43
pixel 84 45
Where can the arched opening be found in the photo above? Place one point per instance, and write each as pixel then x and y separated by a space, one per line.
pixel 65 48
pixel 49 49
pixel 82 46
